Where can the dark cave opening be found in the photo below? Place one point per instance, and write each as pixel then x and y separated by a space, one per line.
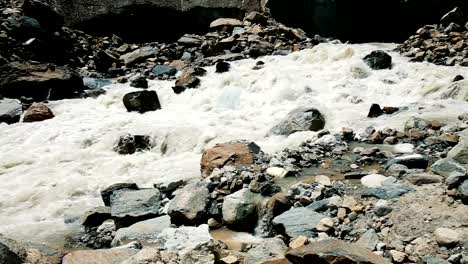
pixel 361 21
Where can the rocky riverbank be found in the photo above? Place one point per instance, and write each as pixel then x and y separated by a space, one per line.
pixel 443 44
pixel 373 195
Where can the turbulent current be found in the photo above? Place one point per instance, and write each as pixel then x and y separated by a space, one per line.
pixel 52 171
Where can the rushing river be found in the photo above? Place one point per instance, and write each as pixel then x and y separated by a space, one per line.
pixel 54 170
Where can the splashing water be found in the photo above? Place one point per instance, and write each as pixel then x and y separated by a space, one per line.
pixel 54 170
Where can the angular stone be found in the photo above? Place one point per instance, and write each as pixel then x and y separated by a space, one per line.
pixel 186 238
pixel 129 207
pixel 95 216
pixel 37 113
pixel 139 82
pixel 455 179
pixel 447 237
pixel 300 221
pixel 459 153
pixel 368 240
pixel 141 101
pixel 101 256
pixel 386 192
pixel 240 210
pixel 7 256
pixel 445 167
pixel 129 144
pixel 463 191
pixel 143 232
pixel 187 80
pixel 221 22
pixel 10 111
pixel 107 192
pixel 415 161
pixel 423 178
pixel 138 55
pixel 378 60
pixel 270 249
pixel 189 205
pixel 300 119
pixel 160 70
pixel 334 251
pixel 40 82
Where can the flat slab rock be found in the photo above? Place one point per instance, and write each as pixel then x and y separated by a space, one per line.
pixel 144 231
pixel 101 256
pixel 334 251
pixel 128 207
pixel 300 221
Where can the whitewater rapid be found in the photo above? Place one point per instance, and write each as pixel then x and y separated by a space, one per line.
pixel 52 171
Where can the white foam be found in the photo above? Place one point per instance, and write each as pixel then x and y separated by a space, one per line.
pixel 56 168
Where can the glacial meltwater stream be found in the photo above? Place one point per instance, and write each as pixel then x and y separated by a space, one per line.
pixel 52 171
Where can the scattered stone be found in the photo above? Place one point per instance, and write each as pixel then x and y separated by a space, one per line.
pixel 373 180
pixel 138 55
pixel 131 206
pixel 139 82
pixel 168 186
pixel 95 216
pixel 240 210
pixel 142 101
pixel 231 259
pixel 415 161
pixel 433 260
pixel 445 167
pixel 10 111
pixel 39 81
pixel 299 242
pixel 423 178
pixel 143 232
pixel 160 70
pixel 458 78
pixel 378 60
pixel 416 122
pixel 459 153
pixel 455 179
pixel 300 119
pixel 322 179
pixel 386 192
pixel 325 225
pixel 398 256
pixel 256 18
pixel 221 22
pixel 447 237
pixel 214 224
pixel 382 208
pixel 186 238
pixel 235 154
pixel 189 205
pixel 222 66
pixel 298 221
pixel 186 81
pixel 129 144
pixel 270 249
pixel 38 112
pixel 107 193
pixel 102 256
pixel 368 240
pixel 334 251
pixel 375 111
pixel 463 191
pixel 277 172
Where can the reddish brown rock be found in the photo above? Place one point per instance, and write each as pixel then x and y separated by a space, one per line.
pixel 38 112
pixel 228 154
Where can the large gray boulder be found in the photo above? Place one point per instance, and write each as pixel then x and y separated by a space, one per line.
pixel 299 221
pixel 129 207
pixel 83 11
pixel 189 205
pixel 240 210
pixel 144 232
pixel 300 119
